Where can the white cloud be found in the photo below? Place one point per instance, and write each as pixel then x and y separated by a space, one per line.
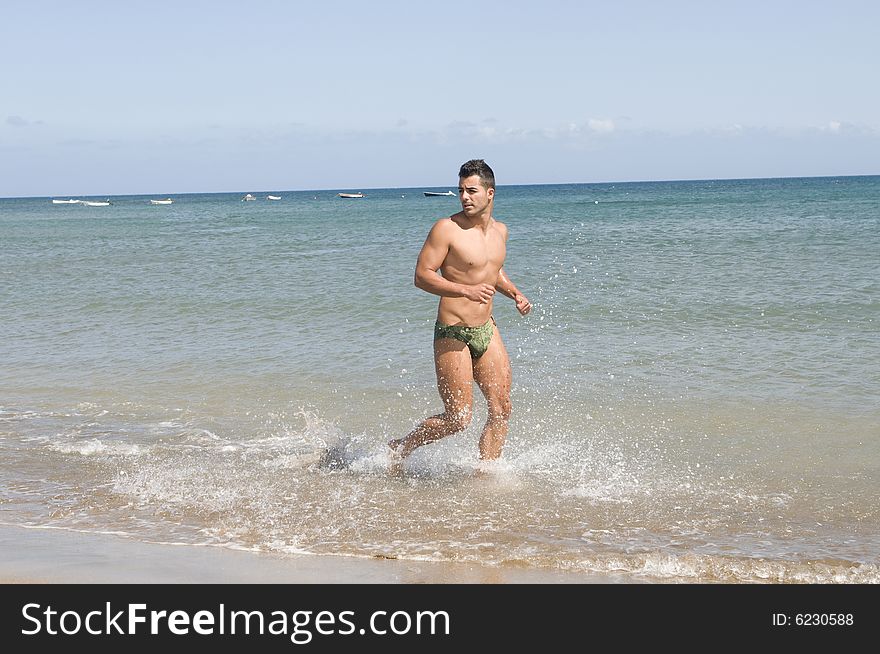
pixel 16 121
pixel 600 125
pixel 851 129
pixel 492 130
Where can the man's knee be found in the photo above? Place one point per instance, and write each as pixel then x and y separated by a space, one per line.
pixel 499 410
pixel 458 420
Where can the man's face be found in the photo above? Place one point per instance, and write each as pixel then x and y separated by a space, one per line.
pixel 473 195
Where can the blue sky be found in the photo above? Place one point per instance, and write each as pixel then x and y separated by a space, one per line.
pixel 171 97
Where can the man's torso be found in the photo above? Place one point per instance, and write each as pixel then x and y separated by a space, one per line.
pixel 475 257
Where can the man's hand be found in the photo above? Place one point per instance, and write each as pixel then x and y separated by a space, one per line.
pixel 481 293
pixel 522 304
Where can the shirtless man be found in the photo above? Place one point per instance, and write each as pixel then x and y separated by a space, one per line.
pixel 461 261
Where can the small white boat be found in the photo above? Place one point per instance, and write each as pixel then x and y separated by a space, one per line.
pixel 165 201
pixel 65 201
pixel 272 197
pixel 435 194
pixel 350 195
pixel 248 198
pixel 98 203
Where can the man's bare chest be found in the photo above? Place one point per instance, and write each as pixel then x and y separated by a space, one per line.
pixel 476 252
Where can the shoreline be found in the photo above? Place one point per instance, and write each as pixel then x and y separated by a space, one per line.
pixel 38 555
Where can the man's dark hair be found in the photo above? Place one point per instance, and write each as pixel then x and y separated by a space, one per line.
pixel 478 167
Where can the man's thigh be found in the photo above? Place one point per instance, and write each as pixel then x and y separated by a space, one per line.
pixel 492 370
pixel 455 375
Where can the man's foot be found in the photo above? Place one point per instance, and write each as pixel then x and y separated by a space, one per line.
pixel 395 459
pixel 334 457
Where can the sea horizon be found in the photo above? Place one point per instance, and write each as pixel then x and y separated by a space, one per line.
pixel 329 189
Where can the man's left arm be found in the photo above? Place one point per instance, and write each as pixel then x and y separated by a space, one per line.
pixel 508 288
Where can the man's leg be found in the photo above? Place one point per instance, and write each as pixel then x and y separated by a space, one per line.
pixel 452 361
pixel 492 374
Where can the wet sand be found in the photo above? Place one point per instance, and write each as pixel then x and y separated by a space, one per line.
pixel 37 555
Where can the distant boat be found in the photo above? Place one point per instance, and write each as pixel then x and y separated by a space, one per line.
pixel 248 198
pixel 434 194
pixel 165 201
pixel 65 201
pixel 96 203
pixel 350 195
pixel 273 197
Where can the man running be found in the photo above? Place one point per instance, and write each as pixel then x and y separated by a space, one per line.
pixel 461 261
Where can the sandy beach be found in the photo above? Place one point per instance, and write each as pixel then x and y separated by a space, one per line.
pixel 34 555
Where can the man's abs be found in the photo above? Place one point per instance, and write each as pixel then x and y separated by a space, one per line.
pixel 461 311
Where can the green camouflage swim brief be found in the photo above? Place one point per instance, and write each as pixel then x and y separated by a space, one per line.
pixel 476 338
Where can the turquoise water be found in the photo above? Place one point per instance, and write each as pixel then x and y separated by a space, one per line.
pixel 695 393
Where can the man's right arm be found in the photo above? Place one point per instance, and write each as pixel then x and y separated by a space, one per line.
pixel 431 258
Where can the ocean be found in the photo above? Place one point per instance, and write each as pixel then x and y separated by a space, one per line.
pixel 696 393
